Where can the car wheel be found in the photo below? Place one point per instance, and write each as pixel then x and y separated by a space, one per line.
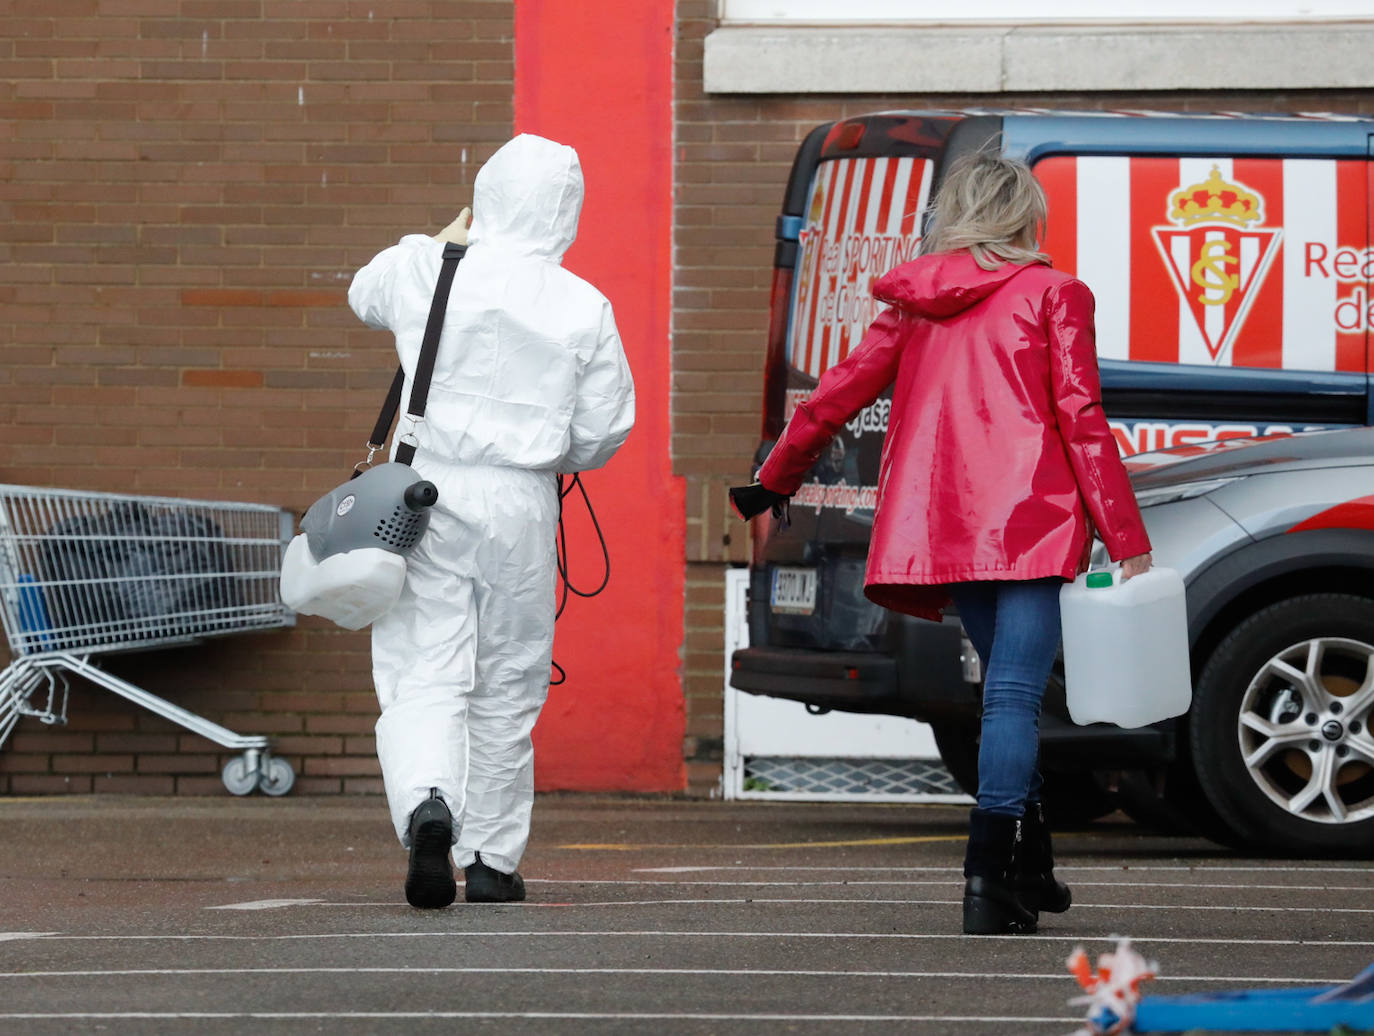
pixel 1071 799
pixel 1074 799
pixel 1167 800
pixel 1140 794
pixel 1279 728
pixel 958 747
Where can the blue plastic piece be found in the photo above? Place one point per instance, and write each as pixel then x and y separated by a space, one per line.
pixel 33 609
pixel 1264 1010
pixel 789 228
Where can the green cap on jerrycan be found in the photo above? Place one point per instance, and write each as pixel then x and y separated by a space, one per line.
pixel 1098 580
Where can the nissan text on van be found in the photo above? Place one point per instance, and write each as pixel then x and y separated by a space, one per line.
pixel 1231 261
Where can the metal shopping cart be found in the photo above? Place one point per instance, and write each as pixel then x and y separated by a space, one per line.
pixel 84 574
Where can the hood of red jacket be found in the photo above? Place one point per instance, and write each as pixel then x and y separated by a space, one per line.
pixel 941 285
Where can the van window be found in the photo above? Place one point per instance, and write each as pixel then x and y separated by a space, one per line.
pixel 862 219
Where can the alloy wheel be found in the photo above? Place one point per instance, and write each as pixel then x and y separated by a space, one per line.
pixel 1303 728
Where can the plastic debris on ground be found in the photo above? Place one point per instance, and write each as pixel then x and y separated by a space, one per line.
pixel 1112 991
pixel 1348 1007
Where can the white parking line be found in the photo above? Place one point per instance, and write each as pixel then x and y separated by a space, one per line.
pixel 814 901
pixel 947 883
pixel 723 972
pixel 1109 937
pixel 1119 868
pixel 540 1015
pixel 763 900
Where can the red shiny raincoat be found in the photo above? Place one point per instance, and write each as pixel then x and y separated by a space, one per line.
pixel 997 449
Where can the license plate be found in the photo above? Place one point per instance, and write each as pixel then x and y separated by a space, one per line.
pixel 794 591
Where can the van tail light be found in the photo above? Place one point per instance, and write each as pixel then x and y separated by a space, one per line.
pixel 844 136
pixel 775 363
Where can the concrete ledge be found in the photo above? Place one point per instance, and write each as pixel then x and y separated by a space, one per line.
pixel 1004 59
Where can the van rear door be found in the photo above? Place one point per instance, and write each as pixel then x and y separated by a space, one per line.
pixel 853 210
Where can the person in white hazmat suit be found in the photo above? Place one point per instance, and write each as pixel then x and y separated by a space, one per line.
pixel 530 381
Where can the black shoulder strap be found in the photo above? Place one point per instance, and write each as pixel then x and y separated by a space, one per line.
pixel 424 368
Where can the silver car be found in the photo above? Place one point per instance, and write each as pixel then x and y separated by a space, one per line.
pixel 1274 538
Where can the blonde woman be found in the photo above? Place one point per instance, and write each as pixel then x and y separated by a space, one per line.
pixel 997 465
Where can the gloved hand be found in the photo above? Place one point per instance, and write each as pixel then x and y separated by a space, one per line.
pixel 457 231
pixel 753 499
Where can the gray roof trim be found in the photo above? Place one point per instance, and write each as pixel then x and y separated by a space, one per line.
pixel 1006 59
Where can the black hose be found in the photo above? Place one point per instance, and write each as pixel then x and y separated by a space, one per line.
pixel 561 556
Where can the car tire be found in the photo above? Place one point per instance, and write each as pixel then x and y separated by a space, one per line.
pixel 1071 799
pixel 1279 727
pixel 1140 794
pixel 958 747
pixel 1168 801
pixel 1074 800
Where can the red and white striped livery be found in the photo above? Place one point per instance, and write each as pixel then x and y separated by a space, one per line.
pixel 863 218
pixel 1267 264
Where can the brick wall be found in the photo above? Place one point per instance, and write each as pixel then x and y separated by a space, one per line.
pixel 734 154
pixel 187 188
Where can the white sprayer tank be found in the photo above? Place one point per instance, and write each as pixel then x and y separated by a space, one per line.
pixel 1126 647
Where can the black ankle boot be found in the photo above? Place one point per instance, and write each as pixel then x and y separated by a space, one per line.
pixel 429 881
pixel 990 903
pixel 486 884
pixel 1032 866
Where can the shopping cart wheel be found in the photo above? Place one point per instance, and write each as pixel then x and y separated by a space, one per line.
pixel 277 777
pixel 239 775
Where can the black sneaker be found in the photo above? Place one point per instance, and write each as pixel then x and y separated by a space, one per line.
pixel 429 882
pixel 487 885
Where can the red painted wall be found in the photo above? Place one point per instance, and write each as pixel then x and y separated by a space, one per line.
pixel 598 76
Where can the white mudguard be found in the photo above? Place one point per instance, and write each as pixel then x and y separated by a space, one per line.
pixel 352 589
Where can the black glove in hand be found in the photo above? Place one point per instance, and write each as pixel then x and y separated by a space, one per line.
pixel 753 499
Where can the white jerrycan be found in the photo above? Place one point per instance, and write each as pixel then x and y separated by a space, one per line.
pixel 1126 647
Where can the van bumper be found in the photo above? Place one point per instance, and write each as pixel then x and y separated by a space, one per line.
pixel 922 678
pixel 846 680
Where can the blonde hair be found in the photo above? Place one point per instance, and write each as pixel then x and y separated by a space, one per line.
pixel 991 206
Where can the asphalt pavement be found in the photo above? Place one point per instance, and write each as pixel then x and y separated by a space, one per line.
pixel 221 915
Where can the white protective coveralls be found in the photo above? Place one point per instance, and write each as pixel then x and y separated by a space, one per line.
pixel 530 381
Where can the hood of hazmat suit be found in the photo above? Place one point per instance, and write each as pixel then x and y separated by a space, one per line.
pixel 530 371
pixel 528 199
pixel 530 380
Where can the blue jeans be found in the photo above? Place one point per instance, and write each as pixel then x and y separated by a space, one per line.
pixel 1014 626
